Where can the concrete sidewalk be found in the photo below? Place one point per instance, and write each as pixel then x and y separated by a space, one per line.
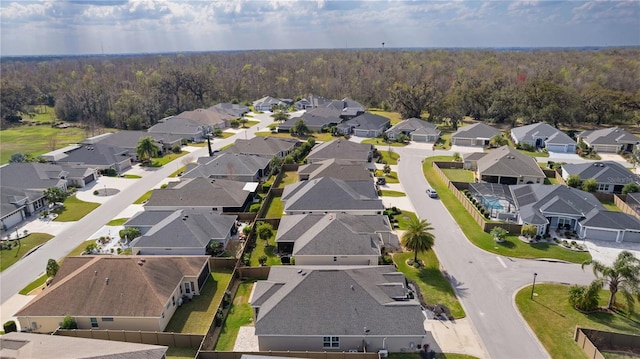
pixel 454 337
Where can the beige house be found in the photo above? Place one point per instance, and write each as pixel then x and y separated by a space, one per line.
pixel 504 165
pixel 116 292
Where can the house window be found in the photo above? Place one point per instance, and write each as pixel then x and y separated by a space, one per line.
pixel 107 319
pixel 187 288
pixel 330 342
pixel 603 187
pixel 173 301
pixel 564 222
pixel 94 322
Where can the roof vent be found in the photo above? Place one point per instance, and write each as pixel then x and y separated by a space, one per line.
pixel 106 280
pixel 95 273
pixel 143 260
pixel 352 288
pixel 299 271
pixel 140 263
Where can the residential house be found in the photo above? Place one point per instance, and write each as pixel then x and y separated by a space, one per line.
pixel 610 176
pixel 267 103
pixel 313 101
pixel 365 125
pixel 37 346
pixel 316 119
pixel 335 239
pixel 264 146
pixel 79 176
pixel 348 107
pixel 219 195
pixel 341 149
pixel 342 169
pixel 129 141
pixel 361 308
pixel 208 118
pixel 506 165
pixel 232 109
pixel 611 140
pixel 543 135
pixel 17 204
pixel 415 129
pixel 561 208
pixel 477 134
pixel 98 156
pixel 331 195
pixel 232 166
pixel 181 231
pixel 116 292
pixel 176 128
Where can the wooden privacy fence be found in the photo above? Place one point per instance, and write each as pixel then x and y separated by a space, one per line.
pixel 136 336
pixel 294 354
pixel 593 341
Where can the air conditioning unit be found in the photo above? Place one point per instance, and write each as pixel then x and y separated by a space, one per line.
pixel 383 353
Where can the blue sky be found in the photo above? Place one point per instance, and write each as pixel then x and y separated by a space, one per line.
pixel 137 26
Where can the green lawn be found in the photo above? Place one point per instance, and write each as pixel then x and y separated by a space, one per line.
pixel 10 256
pixel 42 114
pixel 392 177
pixel 444 143
pixel 459 175
pixel 161 161
pixel 225 147
pixel 240 314
pixel 534 153
pixel 181 353
pixel 433 285
pixel 390 157
pixel 403 219
pixel 512 246
pixel 178 171
pixel 196 316
pixel 276 207
pixel 387 193
pixel 117 222
pixel 81 247
pixel 145 197
pixel 132 176
pixel 553 320
pixel 225 135
pixel 288 178
pixel 261 249
pixel 551 180
pixel 36 140
pixel 395 117
pixel 610 206
pixel 74 209
pixel 39 282
pixel 380 142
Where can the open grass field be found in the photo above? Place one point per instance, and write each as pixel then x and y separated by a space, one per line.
pixel 196 316
pixel 435 288
pixel 276 207
pixel 9 256
pixel 553 319
pixel 391 115
pixel 458 175
pixel 512 246
pixel 36 140
pixel 74 209
pixel 240 314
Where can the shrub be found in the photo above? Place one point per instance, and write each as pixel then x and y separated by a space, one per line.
pixel 95 192
pixel 262 260
pixel 176 149
pixel 10 326
pixel 164 185
pixel 565 243
pixel 68 323
pixel 585 298
pixel 573 243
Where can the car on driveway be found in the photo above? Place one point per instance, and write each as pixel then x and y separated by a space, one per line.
pixel 432 193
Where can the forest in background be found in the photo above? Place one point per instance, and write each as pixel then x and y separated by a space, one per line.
pixel 562 87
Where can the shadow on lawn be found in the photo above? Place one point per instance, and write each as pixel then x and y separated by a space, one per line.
pixel 443 282
pixel 549 308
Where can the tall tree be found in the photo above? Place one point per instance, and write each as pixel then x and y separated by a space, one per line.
pixel 55 194
pixel 280 116
pixel 52 268
pixel 622 276
pixel 418 237
pixel 147 148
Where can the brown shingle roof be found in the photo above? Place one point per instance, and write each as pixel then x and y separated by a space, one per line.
pixel 137 286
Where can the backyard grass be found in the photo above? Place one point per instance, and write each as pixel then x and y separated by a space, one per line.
pixel 387 193
pixel 161 161
pixel 36 140
pixel 393 116
pixel 551 180
pixel 265 248
pixel 459 175
pixel 380 142
pixel 553 319
pixel 131 176
pixel 435 288
pixel 181 353
pixel 610 206
pixel 196 316
pixel 276 207
pixel 145 197
pixel 117 221
pixel 240 314
pixel 288 178
pixel 392 177
pixel 74 209
pixel 511 246
pixel 390 157
pixel 9 256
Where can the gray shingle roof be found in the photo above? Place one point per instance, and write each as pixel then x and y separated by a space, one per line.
pixel 335 301
pixel 612 220
pixel 316 118
pixel 341 149
pixel 14 198
pixel 32 175
pixel 551 134
pixel 367 121
pixel 200 192
pixel 124 139
pixel 413 125
pixel 231 109
pixel 507 161
pixel 177 126
pixel 186 229
pixel 228 165
pixel 342 169
pixel 97 154
pixel 602 172
pixel 262 146
pixel 477 130
pixel 608 136
pixel 204 117
pixel 331 195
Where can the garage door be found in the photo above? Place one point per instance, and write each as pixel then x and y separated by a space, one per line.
pixel 558 148
pixel 632 237
pixel 419 138
pixel 462 142
pixel 601 234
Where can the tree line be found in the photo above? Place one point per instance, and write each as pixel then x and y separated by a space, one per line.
pixel 134 92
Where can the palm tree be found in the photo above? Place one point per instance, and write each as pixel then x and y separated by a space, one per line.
pixel 418 236
pixel 280 116
pixel 147 148
pixel 299 128
pixel 623 276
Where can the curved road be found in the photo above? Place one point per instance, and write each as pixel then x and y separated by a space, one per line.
pixel 485 282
